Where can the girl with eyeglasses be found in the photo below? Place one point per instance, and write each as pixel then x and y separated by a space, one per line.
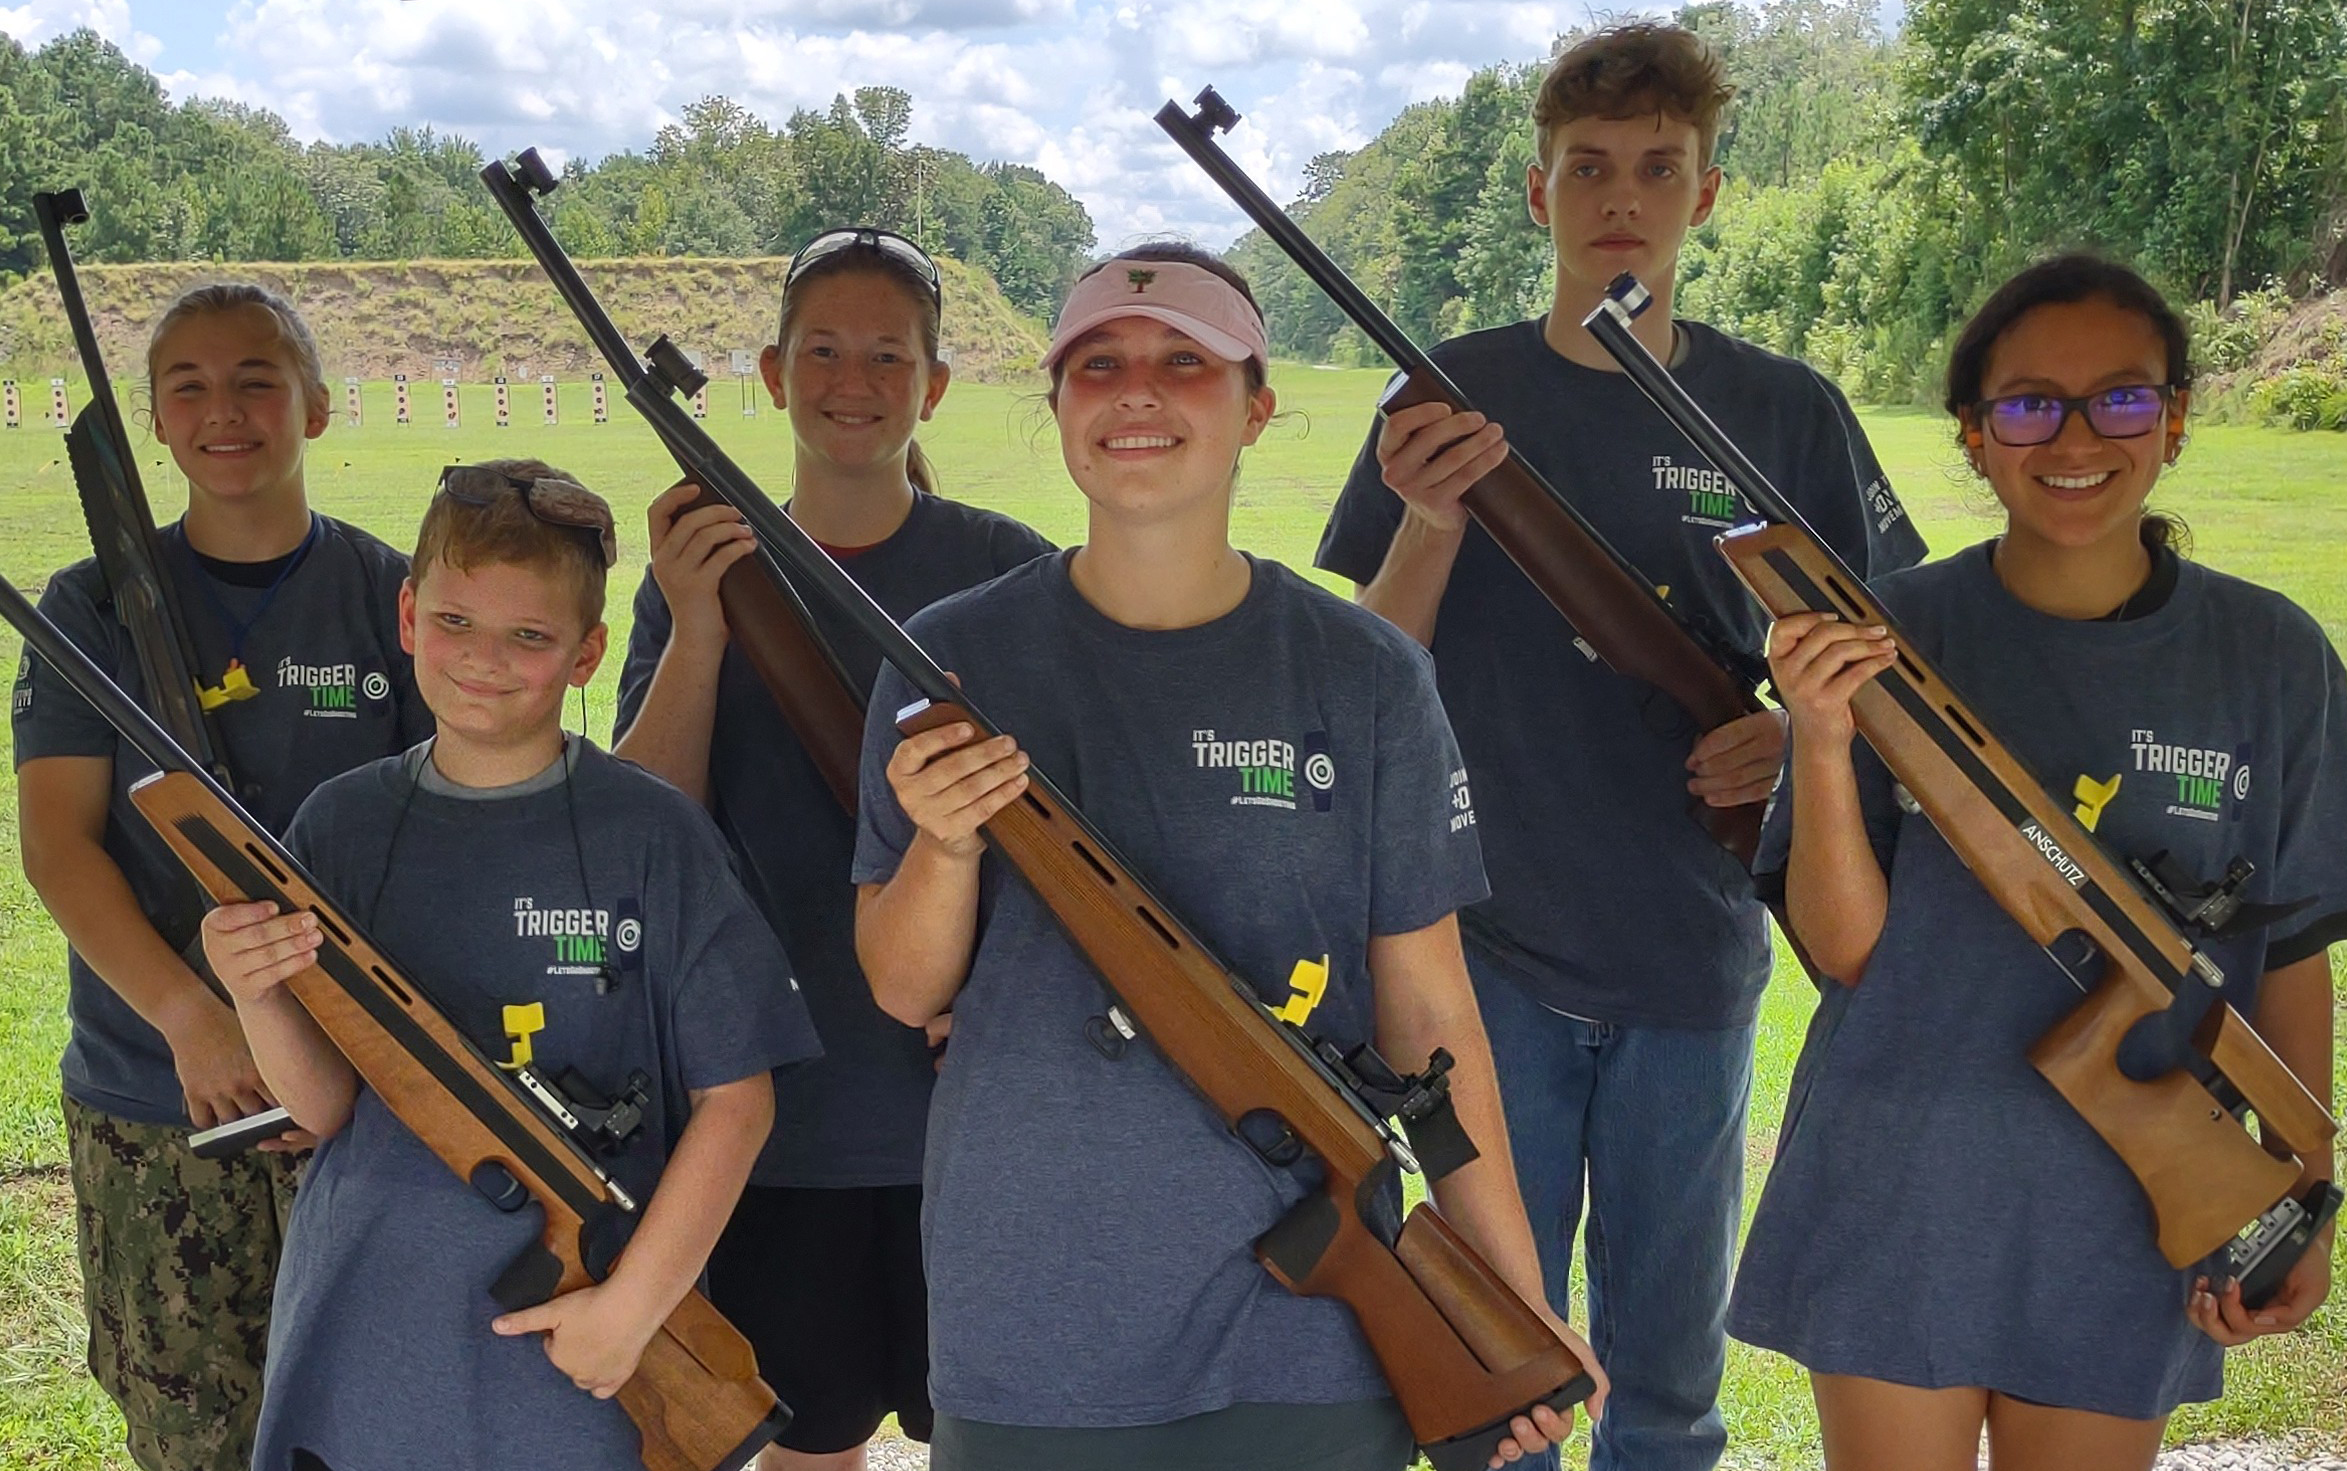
pixel 1275 762
pixel 293 618
pixel 821 1266
pixel 1944 1242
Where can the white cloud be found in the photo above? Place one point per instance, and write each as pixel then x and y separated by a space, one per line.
pixel 38 21
pixel 1068 86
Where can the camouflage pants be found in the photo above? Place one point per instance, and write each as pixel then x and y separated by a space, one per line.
pixel 178 1258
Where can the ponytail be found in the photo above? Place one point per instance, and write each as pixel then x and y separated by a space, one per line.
pixel 918 470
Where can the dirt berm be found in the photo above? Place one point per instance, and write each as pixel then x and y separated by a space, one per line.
pixel 374 319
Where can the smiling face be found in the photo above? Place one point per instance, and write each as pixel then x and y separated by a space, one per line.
pixel 496 648
pixel 856 375
pixel 2078 489
pixel 1620 194
pixel 229 404
pixel 1151 423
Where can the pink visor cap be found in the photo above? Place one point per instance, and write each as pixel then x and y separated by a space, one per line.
pixel 1184 296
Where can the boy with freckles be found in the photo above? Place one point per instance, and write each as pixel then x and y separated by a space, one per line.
pixel 1620 958
pixel 565 909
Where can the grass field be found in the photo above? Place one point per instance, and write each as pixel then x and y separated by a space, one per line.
pixel 2263 503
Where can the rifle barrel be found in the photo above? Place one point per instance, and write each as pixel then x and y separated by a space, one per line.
pixel 53 212
pixel 1195 134
pixel 652 395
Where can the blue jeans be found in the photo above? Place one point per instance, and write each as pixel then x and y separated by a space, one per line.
pixel 1653 1119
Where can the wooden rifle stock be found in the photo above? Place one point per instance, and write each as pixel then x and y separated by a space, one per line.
pixel 695 1397
pixel 768 624
pixel 1462 1350
pixel 2205 1175
pixel 1616 612
pixel 1475 1353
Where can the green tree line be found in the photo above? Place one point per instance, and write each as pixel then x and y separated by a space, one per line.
pixel 212 180
pixel 1878 185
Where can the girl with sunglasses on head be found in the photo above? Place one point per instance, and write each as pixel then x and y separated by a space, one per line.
pixel 821 1266
pixel 293 620
pixel 1944 1242
pixel 1275 762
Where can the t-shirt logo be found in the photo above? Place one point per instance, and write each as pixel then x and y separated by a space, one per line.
pixel 21 699
pixel 1462 802
pixel 1265 769
pixel 2205 777
pixel 575 938
pixel 1884 505
pixel 333 689
pixel 1319 770
pixel 1711 500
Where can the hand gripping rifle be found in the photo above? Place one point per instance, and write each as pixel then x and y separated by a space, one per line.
pixel 122 526
pixel 1463 1351
pixel 2211 1184
pixel 696 1397
pixel 1618 615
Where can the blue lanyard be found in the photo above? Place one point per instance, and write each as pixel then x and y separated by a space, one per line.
pixel 240 628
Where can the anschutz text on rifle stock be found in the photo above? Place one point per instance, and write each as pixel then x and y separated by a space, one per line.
pixel 2210 1183
pixel 1614 608
pixel 121 523
pixel 1462 1350
pixel 696 1398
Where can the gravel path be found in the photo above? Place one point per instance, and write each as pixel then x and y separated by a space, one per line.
pixel 2247 1455
pixel 907 1455
pixel 2240 1455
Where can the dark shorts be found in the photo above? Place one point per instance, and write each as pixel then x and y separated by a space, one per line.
pixel 1365 1435
pixel 828 1288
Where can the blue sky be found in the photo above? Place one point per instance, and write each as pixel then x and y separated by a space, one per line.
pixel 1066 85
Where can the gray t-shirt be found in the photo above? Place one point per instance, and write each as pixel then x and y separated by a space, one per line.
pixel 380 1353
pixel 1938 1215
pixel 1285 779
pixel 334 691
pixel 1608 900
pixel 855 1116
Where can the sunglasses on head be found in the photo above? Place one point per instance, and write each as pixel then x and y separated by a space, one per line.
pixel 2128 412
pixel 872 238
pixel 560 503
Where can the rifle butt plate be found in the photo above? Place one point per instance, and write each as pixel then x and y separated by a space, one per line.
pixel 1474 1450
